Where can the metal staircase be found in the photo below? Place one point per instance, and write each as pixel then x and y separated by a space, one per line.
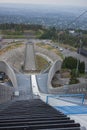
pixel 34 115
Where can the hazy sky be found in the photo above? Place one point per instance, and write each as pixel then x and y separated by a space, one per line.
pixel 57 2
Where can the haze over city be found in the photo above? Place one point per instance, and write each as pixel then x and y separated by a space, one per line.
pixel 49 2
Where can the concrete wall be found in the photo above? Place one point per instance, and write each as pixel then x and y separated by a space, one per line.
pixel 55 67
pixel 66 89
pixel 6 93
pixel 4 67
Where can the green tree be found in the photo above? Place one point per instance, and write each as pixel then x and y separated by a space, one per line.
pixel 82 67
pixel 50 33
pixel 69 63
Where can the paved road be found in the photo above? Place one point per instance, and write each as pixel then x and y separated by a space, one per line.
pixel 25 40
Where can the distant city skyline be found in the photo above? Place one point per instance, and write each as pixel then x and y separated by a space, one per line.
pixel 49 2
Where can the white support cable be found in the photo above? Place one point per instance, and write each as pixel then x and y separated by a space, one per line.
pixel 76 19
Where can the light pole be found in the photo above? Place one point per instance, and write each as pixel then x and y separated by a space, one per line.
pixel 79 50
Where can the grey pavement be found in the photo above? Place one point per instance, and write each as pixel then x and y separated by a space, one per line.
pixel 24 86
pixel 42 82
pixel 5 93
pixel 29 61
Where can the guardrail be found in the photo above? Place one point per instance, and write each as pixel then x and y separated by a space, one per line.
pixel 80 88
pixel 64 97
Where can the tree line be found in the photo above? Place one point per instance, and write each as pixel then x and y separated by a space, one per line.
pixel 61 36
pixel 71 63
pixel 75 66
pixel 19 27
